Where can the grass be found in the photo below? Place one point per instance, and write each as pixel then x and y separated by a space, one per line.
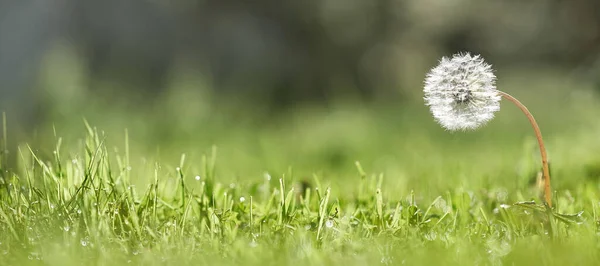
pixel 348 185
pixel 84 209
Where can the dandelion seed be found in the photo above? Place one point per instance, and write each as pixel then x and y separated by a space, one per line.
pixel 267 176
pixel 197 178
pixel 242 199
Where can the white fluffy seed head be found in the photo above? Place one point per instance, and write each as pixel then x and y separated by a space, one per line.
pixel 461 92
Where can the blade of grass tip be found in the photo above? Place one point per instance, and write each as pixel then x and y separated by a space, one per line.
pixel 361 172
pixel 379 205
pixel 288 201
pixel 266 185
pixel 396 217
pixel 28 175
pixel 281 206
pixel 57 158
pixel 4 151
pixel 87 175
pixel 362 189
pixel 441 219
pixel 252 216
pixel 429 208
pixel 487 221
pixel 594 215
pixel 181 179
pixel 323 212
pixel 155 193
pixel 225 201
pixel 208 176
pixel 127 162
pixel 306 199
pixel 317 187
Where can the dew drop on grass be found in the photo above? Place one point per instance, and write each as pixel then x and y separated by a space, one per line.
pixel 253 244
pixel 67 228
pixel 386 260
pixel 329 223
pixel 78 211
pixel 84 242
pixel 197 178
pixel 51 206
pixel 431 236
pixel 34 256
pixel 502 195
pixel 267 176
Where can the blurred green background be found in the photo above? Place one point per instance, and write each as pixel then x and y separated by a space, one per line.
pixel 314 85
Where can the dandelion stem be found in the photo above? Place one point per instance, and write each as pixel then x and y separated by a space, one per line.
pixel 538 135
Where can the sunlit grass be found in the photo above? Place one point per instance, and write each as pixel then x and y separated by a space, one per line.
pixel 89 203
pixel 191 181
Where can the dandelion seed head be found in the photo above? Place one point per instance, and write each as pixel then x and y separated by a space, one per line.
pixel 461 92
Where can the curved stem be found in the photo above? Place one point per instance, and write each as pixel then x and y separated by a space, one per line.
pixel 538 135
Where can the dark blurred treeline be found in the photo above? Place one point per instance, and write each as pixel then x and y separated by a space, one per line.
pixel 283 51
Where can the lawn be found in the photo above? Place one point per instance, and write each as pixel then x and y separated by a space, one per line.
pixel 199 183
